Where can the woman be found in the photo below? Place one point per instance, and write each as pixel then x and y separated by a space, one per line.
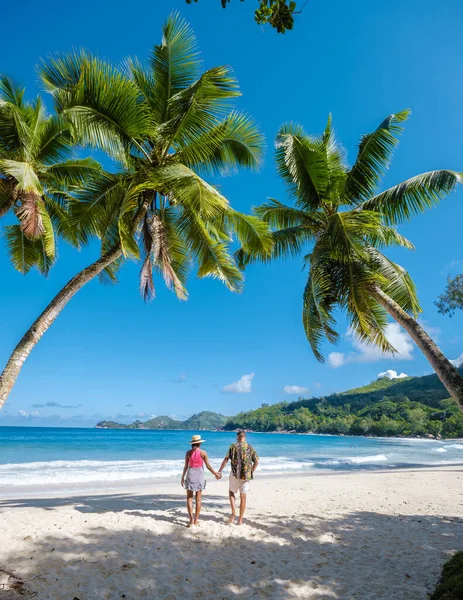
pixel 195 459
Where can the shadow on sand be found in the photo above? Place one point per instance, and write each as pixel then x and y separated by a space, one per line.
pixel 136 547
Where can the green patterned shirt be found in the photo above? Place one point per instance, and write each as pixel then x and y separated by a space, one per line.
pixel 242 457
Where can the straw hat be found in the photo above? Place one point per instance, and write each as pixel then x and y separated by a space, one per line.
pixel 196 439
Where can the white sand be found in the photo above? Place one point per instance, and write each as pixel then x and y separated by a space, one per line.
pixel 375 535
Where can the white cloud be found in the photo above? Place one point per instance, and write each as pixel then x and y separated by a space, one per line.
pixel 391 374
pixel 26 414
pixel 457 362
pixel 363 353
pixel 295 389
pixel 336 359
pixel 242 386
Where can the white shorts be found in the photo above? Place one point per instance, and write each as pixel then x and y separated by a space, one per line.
pixel 239 485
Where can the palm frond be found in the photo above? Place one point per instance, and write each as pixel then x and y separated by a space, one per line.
pixel 281 216
pixel 183 186
pixel 301 162
pixel 401 202
pixel 102 103
pixel 317 308
pixel 199 107
pixel 26 178
pixel 210 253
pixel 397 282
pixel 25 253
pixel 235 142
pixel 375 152
pixel 165 251
pixel 74 172
pixel 54 142
pixel 174 64
pixel 253 234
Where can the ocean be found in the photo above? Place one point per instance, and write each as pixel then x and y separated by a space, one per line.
pixel 61 456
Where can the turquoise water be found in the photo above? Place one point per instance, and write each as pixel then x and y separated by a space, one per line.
pixel 57 456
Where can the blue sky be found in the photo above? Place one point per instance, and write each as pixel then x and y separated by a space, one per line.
pixel 111 355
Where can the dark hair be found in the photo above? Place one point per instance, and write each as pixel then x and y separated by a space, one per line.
pixel 195 445
pixel 241 433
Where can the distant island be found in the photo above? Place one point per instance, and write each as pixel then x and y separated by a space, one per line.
pixel 205 420
pixel 410 406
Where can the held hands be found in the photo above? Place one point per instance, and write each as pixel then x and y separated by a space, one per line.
pixel 218 475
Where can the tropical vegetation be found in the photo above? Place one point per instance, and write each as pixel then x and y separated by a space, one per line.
pixel 451 299
pixel 415 406
pixel 277 13
pixel 344 223
pixel 167 126
pixel 450 586
pixel 39 169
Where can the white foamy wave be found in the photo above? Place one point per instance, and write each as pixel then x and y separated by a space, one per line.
pixel 440 450
pixel 95 471
pixel 86 471
pixel 456 446
pixel 280 463
pixel 358 460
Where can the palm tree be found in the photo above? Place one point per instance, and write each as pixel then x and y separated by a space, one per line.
pixel 38 170
pixel 166 126
pixel 339 212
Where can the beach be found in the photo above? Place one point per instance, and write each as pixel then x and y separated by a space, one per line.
pixel 382 534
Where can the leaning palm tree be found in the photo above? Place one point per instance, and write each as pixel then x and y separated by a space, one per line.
pixel 38 171
pixel 166 126
pixel 339 213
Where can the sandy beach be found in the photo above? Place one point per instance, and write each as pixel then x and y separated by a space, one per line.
pixel 361 535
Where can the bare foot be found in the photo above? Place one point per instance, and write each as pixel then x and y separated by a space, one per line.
pixel 240 522
pixel 231 520
pixel 196 524
pixel 190 523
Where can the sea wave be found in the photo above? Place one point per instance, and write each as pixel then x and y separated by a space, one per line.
pixel 95 471
pixel 86 471
pixel 358 460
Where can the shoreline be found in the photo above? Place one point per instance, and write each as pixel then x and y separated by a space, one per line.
pixel 172 483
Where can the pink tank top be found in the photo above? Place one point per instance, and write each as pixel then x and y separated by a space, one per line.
pixel 196 462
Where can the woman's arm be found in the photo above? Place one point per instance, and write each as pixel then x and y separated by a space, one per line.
pixel 185 469
pixel 208 464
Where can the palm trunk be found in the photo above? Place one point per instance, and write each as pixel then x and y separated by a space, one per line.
pixel 40 326
pixel 444 369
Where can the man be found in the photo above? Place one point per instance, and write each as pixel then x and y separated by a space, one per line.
pixel 244 461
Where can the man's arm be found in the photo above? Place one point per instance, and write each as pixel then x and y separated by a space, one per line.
pixel 223 465
pixel 255 461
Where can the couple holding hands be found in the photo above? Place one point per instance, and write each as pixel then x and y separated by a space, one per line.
pixel 243 460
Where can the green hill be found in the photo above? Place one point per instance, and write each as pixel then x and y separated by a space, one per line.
pixel 411 406
pixel 205 420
